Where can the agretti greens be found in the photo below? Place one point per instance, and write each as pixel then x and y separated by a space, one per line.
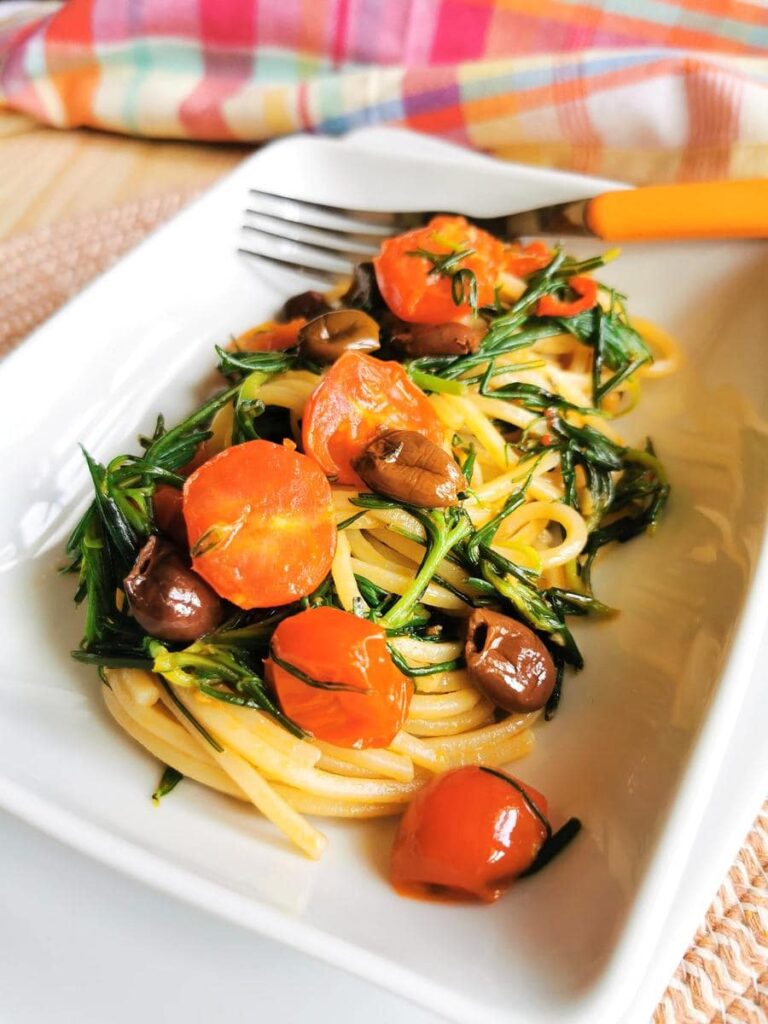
pixel 621 491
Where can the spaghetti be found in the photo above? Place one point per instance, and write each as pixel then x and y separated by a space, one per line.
pixel 527 415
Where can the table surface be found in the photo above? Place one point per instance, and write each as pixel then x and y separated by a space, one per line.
pixel 48 175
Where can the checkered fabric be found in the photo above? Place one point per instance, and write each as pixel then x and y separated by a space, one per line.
pixel 638 89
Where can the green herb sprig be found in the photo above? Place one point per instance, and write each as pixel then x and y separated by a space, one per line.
pixel 222 673
pixel 443 528
pixel 463 279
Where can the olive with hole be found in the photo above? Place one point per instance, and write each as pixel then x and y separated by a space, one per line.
pixel 326 338
pixel 168 599
pixel 450 339
pixel 407 466
pixel 306 306
pixel 507 662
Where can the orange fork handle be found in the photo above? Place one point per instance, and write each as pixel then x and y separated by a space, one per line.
pixel 708 209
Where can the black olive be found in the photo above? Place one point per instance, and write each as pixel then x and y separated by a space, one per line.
pixel 327 337
pixel 168 599
pixel 407 466
pixel 307 306
pixel 507 662
pixel 450 339
pixel 363 291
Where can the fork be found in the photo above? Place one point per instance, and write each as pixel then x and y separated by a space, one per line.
pixel 325 242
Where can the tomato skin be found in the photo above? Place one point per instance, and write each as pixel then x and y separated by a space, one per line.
pixel 410 287
pixel 585 287
pixel 272 511
pixel 358 398
pixel 270 336
pixel 467 834
pixel 522 260
pixel 334 646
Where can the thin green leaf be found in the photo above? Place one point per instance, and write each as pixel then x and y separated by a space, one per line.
pixel 168 782
pixel 422 670
pixel 318 684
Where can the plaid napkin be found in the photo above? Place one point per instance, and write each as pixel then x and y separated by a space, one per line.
pixel 639 89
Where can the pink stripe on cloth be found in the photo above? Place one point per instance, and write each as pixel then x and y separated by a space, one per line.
pixel 511 76
pixel 228 36
pixel 161 17
pixel 14 84
pixel 461 31
pixel 422 17
pixel 340 25
pixel 386 44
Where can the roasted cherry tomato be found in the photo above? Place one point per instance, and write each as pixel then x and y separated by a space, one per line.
pixel 412 287
pixel 269 337
pixel 260 523
pixel 358 398
pixel 585 287
pixel 468 834
pixel 334 677
pixel 522 260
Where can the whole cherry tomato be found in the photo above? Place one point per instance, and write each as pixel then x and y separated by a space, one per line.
pixel 468 834
pixel 334 678
pixel 412 285
pixel 522 260
pixel 358 398
pixel 260 523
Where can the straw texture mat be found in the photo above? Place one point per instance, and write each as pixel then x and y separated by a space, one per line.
pixel 723 978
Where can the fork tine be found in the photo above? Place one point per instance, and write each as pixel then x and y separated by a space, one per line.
pixel 321 215
pixel 355 243
pixel 299 252
pixel 327 265
pixel 317 274
pixel 314 243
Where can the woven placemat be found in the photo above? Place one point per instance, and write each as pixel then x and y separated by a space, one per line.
pixel 723 978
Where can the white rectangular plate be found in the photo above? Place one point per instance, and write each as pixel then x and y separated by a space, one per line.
pixel 636 747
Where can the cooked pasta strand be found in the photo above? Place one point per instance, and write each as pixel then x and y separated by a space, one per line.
pixel 450 725
pixel 256 788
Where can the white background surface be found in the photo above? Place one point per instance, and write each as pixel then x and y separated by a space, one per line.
pixel 81 944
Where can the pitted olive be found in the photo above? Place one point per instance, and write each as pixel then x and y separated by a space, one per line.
pixel 327 337
pixel 450 339
pixel 168 599
pixel 507 662
pixel 407 466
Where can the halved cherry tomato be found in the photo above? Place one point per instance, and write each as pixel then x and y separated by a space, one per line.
pixel 351 694
pixel 260 523
pixel 269 336
pixel 468 834
pixel 586 287
pixel 412 288
pixel 522 260
pixel 358 398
